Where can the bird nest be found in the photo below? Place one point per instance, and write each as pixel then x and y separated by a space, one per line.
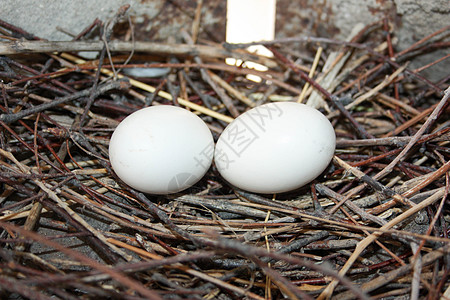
pixel 374 224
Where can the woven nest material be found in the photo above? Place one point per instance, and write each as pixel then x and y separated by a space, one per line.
pixel 374 224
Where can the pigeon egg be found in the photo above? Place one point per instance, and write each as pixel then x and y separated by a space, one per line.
pixel 275 148
pixel 161 149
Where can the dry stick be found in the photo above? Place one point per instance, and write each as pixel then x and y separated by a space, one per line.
pixel 399 141
pixel 166 220
pixel 446 295
pixel 417 136
pixel 436 216
pixel 223 284
pixel 162 94
pixel 188 270
pixel 362 77
pixel 418 70
pixel 108 255
pixel 196 22
pixel 367 233
pixel 105 37
pixel 357 62
pixel 300 243
pixel 8 48
pixel 422 41
pixel 231 90
pixel 394 103
pixel 390 50
pixel 77 110
pixel 308 39
pixel 199 241
pixel 227 101
pixel 35 212
pixel 410 122
pixel 376 210
pixel 359 129
pixel 88 29
pixel 22 289
pixel 181 75
pixel 368 240
pixel 221 67
pixel 255 252
pixel 268 290
pixel 286 286
pixel 221 206
pixel 380 281
pixel 373 183
pixel 400 156
pixel 324 190
pixel 18 30
pixel 41 156
pixel 341 58
pixel 438 173
pixel 311 74
pixel 52 195
pixel 294 212
pixel 332 67
pixel 9 118
pixel 273 88
pixel 134 267
pixel 417 269
pixel 195 88
pixel 92 94
pixel 123 219
pixel 376 89
pixel 56 84
pixel 124 280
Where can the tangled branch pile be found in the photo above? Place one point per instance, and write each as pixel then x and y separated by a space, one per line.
pixel 374 224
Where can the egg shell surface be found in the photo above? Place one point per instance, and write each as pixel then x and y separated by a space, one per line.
pixel 161 149
pixel 275 148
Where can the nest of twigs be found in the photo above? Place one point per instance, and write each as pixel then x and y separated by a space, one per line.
pixel 374 224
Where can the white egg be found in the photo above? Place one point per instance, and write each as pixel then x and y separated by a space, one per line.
pixel 161 149
pixel 275 148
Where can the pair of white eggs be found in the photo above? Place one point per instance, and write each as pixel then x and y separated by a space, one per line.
pixel 272 148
